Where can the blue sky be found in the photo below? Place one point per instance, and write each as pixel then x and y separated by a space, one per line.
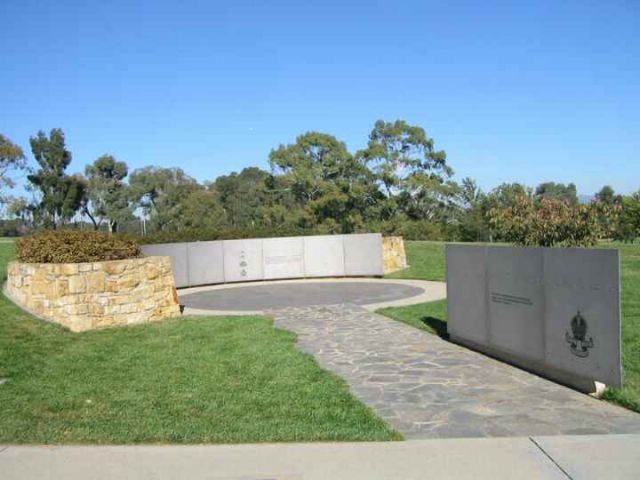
pixel 513 91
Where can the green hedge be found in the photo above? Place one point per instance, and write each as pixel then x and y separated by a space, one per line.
pixel 410 230
pixel 200 235
pixel 75 246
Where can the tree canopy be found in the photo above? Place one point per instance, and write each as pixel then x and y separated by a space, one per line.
pixel 557 191
pixel 327 184
pixel 399 183
pixel 412 174
pixel 160 193
pixel 11 158
pixel 242 196
pixel 60 195
pixel 108 197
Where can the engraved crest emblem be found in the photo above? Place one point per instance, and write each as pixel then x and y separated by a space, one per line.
pixel 579 342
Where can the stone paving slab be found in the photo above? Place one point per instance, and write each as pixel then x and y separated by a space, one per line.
pixel 427 387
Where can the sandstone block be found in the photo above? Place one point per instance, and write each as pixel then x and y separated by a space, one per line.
pixel 131 308
pixel 69 269
pixel 96 282
pixel 111 286
pixel 95 309
pixel 79 323
pixel 77 284
pixel 128 281
pixel 62 287
pixel 114 268
pixel 136 318
pixel 40 275
pixel 393 252
pixel 76 309
pixel 152 271
pixel 40 287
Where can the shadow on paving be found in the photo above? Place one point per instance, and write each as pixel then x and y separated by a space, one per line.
pixel 427 387
pixel 437 325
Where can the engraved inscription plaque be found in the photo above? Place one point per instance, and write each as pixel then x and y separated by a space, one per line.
pixel 555 311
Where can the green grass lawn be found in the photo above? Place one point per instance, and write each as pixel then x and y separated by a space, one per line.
pixel 191 380
pixel 425 259
pixel 428 263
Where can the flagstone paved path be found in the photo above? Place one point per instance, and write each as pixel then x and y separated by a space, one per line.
pixel 427 387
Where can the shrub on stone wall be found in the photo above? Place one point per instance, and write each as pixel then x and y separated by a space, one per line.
pixel 75 246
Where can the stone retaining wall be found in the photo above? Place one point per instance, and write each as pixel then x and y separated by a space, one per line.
pixel 84 296
pixel 393 254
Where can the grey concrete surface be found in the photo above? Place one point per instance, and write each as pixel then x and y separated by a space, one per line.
pixel 427 387
pixel 363 254
pixel 205 262
pixel 178 253
pixel 271 296
pixel 595 457
pixel 477 459
pixel 243 260
pixel 422 291
pixel 283 257
pixel 330 263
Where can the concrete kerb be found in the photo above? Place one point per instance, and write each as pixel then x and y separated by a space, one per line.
pixel 431 292
pixel 600 456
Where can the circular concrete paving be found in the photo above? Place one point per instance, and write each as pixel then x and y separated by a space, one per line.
pixel 262 296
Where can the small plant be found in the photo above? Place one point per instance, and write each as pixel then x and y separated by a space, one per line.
pixel 75 246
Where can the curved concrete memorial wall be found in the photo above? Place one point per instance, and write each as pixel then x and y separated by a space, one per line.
pixel 554 311
pixel 242 260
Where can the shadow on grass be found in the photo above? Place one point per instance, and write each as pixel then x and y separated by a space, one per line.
pixel 437 325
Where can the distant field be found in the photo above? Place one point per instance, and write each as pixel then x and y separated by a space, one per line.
pixel 428 263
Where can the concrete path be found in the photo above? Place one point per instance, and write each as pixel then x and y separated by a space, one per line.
pixel 257 297
pixel 427 387
pixel 614 457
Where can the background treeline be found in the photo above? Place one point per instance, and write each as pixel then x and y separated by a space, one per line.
pixel 399 184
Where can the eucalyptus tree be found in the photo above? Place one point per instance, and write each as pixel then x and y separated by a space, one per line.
pixel 59 195
pixel 108 199
pixel 558 191
pixel 162 193
pixel 243 196
pixel 413 176
pixel 327 183
pixel 11 158
pixel 607 195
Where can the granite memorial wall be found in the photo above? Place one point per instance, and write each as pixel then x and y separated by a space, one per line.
pixel 554 311
pixel 226 261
